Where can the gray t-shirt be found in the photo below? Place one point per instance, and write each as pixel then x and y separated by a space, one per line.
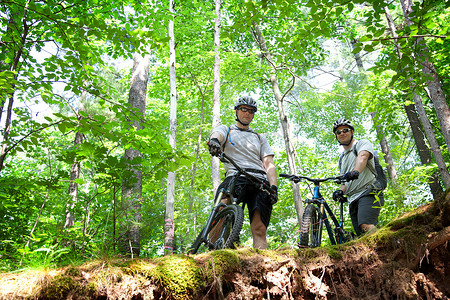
pixel 356 188
pixel 245 147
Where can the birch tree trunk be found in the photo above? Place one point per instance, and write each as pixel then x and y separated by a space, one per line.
pixel 290 151
pixel 216 96
pixel 435 89
pixel 130 240
pixel 169 226
pixel 75 171
pixel 193 218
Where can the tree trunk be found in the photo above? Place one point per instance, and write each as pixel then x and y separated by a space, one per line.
pixel 434 85
pixel 14 67
pixel 75 172
pixel 169 227
pixel 392 173
pixel 216 97
pixel 130 241
pixel 422 148
pixel 290 151
pixel 192 219
pixel 432 140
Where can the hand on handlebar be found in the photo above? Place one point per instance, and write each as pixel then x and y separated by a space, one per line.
pixel 338 195
pixel 352 175
pixel 214 147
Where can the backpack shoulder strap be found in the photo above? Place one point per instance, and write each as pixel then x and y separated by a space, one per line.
pixel 342 155
pixel 226 138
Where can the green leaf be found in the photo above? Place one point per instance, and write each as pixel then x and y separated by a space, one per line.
pixel 350 6
pixel 62 127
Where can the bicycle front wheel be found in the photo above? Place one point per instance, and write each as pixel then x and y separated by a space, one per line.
pixel 226 227
pixel 310 227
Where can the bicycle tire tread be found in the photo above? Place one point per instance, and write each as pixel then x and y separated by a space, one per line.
pixel 237 222
pixel 238 215
pixel 309 220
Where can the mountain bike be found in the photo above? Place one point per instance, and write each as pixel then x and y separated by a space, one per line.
pixel 224 224
pixel 315 215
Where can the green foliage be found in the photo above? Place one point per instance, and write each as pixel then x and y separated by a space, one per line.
pixel 70 47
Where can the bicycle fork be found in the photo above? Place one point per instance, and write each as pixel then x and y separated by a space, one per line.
pixel 215 210
pixel 323 209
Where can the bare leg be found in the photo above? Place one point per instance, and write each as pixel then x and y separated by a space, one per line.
pixel 214 233
pixel 368 228
pixel 259 232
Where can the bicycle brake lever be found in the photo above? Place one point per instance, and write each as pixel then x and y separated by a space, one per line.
pixel 340 180
pixel 222 158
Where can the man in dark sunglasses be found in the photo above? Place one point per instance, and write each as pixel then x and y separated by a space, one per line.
pixel 251 151
pixel 357 164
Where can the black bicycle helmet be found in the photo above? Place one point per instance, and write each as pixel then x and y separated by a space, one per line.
pixel 246 100
pixel 342 122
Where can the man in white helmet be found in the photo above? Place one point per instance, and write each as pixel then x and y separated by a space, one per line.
pixel 364 206
pixel 252 152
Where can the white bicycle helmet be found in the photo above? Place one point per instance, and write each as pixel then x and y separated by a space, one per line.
pixel 342 122
pixel 246 100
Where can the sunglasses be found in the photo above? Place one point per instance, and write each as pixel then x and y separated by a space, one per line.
pixel 245 109
pixel 345 130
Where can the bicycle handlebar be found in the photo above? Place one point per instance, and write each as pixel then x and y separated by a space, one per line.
pixel 265 187
pixel 336 179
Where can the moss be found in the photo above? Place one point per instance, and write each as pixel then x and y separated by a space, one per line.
pixel 246 252
pixel 309 253
pixel 221 262
pixel 59 288
pixel 91 288
pixel 71 271
pixel 178 275
pixel 335 252
pixel 106 276
pixel 420 216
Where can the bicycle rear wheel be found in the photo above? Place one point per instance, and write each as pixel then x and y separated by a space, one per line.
pixel 310 227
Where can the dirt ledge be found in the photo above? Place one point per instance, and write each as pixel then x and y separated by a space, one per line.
pixel 407 259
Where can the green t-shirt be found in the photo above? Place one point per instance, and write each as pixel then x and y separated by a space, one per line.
pixel 356 188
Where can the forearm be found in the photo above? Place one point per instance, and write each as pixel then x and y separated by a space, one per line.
pixel 272 174
pixel 361 161
pixel 271 170
pixel 218 136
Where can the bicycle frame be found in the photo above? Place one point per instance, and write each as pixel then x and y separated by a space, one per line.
pixel 324 211
pixel 324 208
pixel 220 210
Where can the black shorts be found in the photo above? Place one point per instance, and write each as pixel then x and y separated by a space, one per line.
pixel 365 210
pixel 253 197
